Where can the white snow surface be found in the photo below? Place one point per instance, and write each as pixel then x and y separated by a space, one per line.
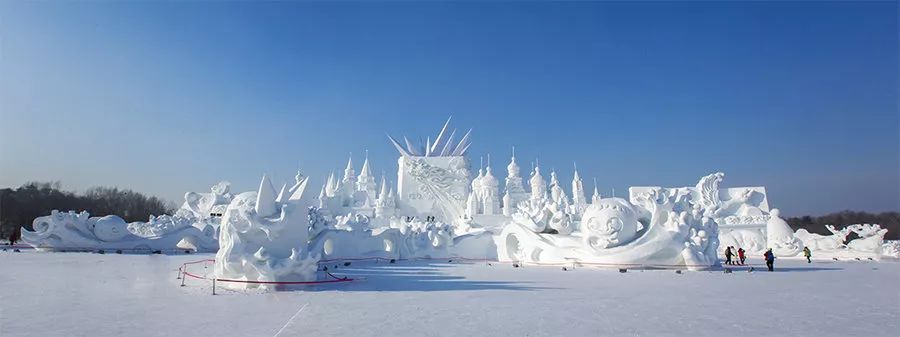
pixel 83 294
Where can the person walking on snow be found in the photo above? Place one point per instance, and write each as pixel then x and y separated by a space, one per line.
pixel 741 255
pixel 808 254
pixel 728 255
pixel 770 259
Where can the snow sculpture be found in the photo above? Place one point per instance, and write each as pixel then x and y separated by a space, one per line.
pixel 741 213
pixel 352 238
pixel 871 238
pixel 485 195
pixel 62 231
pixel 891 249
pixel 385 205
pixel 579 202
pixel 433 186
pixel 780 237
pixel 263 237
pixel 192 227
pixel 110 228
pixel 433 181
pixel 538 186
pixel 543 216
pixel 515 190
pixel 663 228
pixel 870 243
pixel 610 223
pixel 557 194
pixel 206 205
pixel 821 243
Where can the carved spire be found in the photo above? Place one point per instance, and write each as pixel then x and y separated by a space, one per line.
pixel 596 197
pixel 538 185
pixel 384 189
pixel 331 184
pixel 366 170
pixel 366 181
pixel 513 168
pixel 265 198
pixel 440 146
pixel 578 197
pixel 349 173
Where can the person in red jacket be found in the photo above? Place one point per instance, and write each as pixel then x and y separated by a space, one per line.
pixel 741 255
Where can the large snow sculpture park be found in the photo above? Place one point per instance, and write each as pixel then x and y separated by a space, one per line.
pixel 440 209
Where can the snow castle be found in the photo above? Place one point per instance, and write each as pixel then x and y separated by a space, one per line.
pixel 440 209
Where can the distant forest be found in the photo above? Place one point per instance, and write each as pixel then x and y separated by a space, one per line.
pixel 816 224
pixel 19 207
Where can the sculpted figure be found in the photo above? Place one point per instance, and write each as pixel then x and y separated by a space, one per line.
pixel 610 223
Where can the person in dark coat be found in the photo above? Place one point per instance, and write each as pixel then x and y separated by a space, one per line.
pixel 728 255
pixel 15 236
pixel 770 259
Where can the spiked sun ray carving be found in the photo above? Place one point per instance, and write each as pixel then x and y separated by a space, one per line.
pixel 440 146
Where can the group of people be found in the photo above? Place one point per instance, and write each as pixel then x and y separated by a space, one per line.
pixel 735 257
pixel 429 218
pixel 730 254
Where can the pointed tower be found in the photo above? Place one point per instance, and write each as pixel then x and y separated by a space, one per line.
pixel 595 199
pixel 391 201
pixel 330 185
pixel 557 194
pixel 323 198
pixel 348 185
pixel 515 189
pixel 384 205
pixel 349 174
pixel 474 202
pixel 508 205
pixel 538 185
pixel 366 181
pixel 265 198
pixel 490 195
pixel 578 198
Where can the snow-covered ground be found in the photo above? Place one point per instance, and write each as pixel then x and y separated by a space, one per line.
pixel 82 294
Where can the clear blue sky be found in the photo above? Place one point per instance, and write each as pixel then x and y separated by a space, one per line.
pixel 166 98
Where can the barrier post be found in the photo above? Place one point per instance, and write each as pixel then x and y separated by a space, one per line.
pixel 178 275
pixel 182 274
pixel 214 285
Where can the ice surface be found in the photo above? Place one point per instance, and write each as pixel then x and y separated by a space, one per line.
pixel 80 294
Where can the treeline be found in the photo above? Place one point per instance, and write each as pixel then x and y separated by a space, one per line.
pixel 816 224
pixel 20 206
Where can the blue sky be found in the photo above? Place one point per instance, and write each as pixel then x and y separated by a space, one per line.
pixel 164 98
